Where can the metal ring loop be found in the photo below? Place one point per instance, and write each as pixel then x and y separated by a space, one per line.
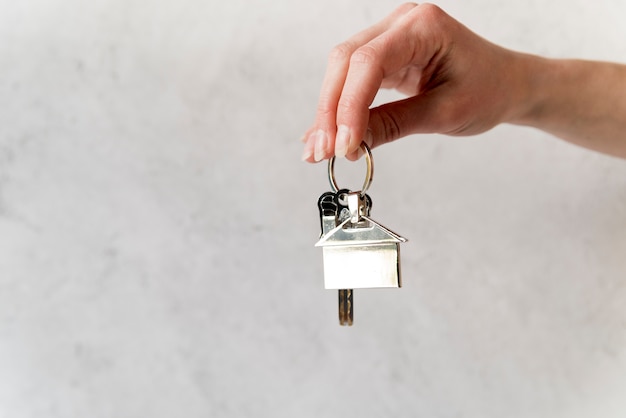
pixel 369 174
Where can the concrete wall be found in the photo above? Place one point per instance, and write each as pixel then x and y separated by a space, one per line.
pixel 157 226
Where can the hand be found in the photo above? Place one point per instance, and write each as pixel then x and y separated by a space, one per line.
pixel 457 82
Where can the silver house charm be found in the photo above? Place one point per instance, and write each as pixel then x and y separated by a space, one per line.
pixel 361 255
pixel 358 252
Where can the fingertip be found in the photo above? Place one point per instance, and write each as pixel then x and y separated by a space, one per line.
pixel 369 137
pixel 321 146
pixel 356 154
pixel 354 151
pixel 309 146
pixel 306 155
pixel 342 141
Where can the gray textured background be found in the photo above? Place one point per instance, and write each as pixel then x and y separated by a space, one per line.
pixel 157 226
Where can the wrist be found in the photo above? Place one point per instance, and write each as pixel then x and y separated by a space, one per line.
pixel 534 78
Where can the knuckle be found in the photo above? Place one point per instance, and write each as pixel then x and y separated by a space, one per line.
pixel 366 54
pixel 348 104
pixel 427 21
pixel 325 110
pixel 431 12
pixel 390 126
pixel 405 7
pixel 341 52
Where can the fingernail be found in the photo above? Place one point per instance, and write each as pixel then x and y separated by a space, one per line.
pixel 369 140
pixel 342 141
pixel 303 139
pixel 321 141
pixel 309 143
pixel 306 154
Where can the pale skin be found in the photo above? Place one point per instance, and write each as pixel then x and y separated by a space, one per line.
pixel 460 84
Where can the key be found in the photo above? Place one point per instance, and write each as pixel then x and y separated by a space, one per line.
pixel 346 314
pixel 358 252
pixel 333 209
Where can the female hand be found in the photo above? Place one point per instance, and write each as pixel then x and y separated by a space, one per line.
pixel 457 83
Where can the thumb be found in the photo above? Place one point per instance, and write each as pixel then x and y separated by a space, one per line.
pixel 418 114
pixel 424 113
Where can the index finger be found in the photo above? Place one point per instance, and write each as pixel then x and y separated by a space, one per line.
pixel 325 128
pixel 412 41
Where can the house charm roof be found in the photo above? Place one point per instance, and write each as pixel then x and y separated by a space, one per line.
pixel 371 234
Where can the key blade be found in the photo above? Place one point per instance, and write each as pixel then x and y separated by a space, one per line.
pixel 345 307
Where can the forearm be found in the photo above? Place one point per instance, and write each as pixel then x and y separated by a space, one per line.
pixel 459 84
pixel 583 102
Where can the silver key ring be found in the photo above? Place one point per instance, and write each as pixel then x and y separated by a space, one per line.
pixel 369 174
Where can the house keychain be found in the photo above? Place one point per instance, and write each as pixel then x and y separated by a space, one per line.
pixel 358 252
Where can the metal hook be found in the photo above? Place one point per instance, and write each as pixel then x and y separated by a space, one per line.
pixel 369 174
